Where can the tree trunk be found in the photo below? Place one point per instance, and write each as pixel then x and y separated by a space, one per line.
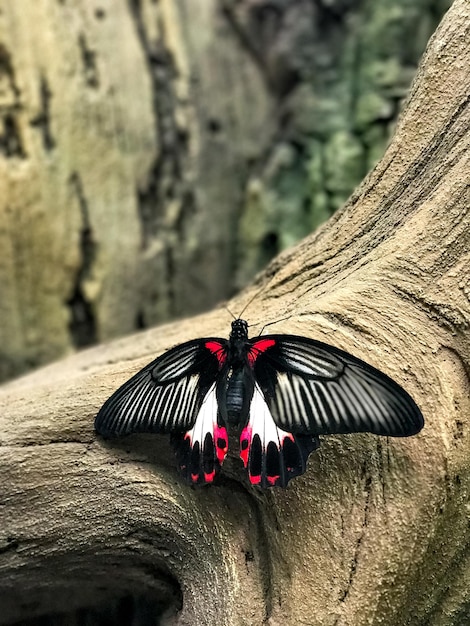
pixel 115 166
pixel 377 530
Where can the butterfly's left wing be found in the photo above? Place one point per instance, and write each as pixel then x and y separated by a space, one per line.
pixel 313 388
pixel 175 393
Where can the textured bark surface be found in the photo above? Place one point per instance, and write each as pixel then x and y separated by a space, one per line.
pixel 153 154
pixel 113 168
pixel 377 530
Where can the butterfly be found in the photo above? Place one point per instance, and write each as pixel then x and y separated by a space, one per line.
pixel 281 391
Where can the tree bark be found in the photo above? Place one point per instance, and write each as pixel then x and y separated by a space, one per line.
pixel 114 166
pixel 377 530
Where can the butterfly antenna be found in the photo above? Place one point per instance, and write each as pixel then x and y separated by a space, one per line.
pixel 280 319
pixel 255 295
pixel 229 311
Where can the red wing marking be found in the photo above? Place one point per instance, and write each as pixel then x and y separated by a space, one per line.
pixel 245 440
pixel 202 450
pixel 271 455
pixel 221 442
pixel 258 347
pixel 218 349
pixel 208 478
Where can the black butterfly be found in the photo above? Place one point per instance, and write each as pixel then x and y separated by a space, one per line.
pixel 282 390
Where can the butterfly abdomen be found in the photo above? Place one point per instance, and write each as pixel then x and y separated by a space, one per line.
pixel 238 395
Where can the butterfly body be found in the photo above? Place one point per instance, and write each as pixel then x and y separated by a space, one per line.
pixel 280 391
pixel 235 394
pixel 236 382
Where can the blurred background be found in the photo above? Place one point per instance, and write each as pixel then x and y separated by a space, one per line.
pixel 156 154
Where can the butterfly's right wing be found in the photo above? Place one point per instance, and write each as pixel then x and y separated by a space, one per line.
pixel 175 393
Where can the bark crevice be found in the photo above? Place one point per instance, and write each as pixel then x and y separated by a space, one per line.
pixel 82 325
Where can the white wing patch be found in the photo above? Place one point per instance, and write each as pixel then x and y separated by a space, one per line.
pixel 202 450
pixel 271 455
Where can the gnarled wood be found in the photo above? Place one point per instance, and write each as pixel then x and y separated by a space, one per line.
pixel 377 530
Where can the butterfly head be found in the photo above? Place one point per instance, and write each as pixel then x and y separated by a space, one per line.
pixel 239 329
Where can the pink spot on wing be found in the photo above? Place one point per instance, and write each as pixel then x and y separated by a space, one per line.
pixel 257 348
pixel 221 442
pixel 255 480
pixel 245 439
pixel 209 476
pixel 217 348
pixel 194 477
pixel 272 480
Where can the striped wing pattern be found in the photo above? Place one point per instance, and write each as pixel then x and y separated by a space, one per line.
pixel 164 396
pixel 317 389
